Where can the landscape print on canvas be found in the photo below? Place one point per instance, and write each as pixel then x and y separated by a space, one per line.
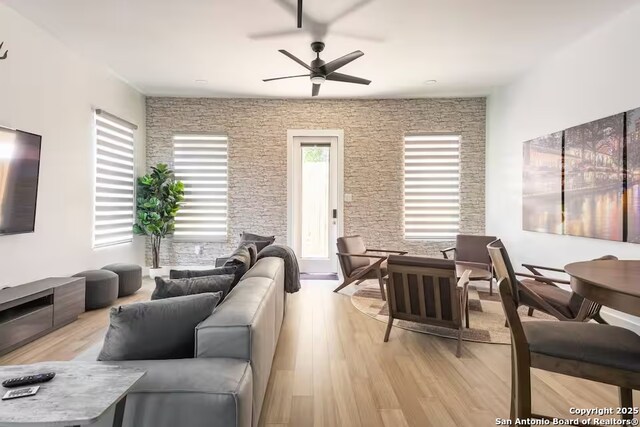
pixel 542 184
pixel 594 179
pixel 633 175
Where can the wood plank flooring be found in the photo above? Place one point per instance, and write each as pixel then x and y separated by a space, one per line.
pixel 332 369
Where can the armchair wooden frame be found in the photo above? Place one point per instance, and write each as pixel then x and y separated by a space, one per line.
pixel 522 360
pixel 588 309
pixel 459 294
pixel 361 275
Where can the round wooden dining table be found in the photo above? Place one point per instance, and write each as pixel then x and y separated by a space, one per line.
pixel 614 284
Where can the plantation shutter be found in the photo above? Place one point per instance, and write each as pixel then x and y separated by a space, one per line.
pixel 114 180
pixel 432 186
pixel 201 164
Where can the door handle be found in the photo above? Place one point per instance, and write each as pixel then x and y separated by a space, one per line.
pixel 335 213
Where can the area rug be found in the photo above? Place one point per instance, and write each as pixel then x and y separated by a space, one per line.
pixel 486 318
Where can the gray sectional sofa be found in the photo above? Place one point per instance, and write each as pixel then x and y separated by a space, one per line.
pixel 225 384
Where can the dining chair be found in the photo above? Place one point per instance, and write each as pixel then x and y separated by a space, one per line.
pixel 428 291
pixel 541 292
pixel 358 263
pixel 470 253
pixel 602 353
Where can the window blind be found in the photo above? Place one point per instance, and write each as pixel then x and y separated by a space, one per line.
pixel 115 180
pixel 432 186
pixel 200 162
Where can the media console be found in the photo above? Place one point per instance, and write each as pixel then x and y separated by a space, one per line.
pixel 34 309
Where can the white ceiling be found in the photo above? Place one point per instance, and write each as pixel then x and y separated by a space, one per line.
pixel 163 46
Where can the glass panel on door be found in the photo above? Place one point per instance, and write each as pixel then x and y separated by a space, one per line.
pixel 316 196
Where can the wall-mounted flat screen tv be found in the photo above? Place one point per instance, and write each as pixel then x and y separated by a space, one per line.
pixel 19 170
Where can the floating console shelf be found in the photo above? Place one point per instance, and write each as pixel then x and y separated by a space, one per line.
pixel 34 309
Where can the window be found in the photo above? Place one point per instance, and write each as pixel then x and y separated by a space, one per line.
pixel 115 180
pixel 431 186
pixel 201 164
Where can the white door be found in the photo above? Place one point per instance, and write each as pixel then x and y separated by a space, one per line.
pixel 314 202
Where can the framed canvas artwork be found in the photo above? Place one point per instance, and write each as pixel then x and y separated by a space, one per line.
pixel 542 184
pixel 593 181
pixel 633 176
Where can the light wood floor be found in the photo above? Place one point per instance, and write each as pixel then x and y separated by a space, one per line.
pixel 332 369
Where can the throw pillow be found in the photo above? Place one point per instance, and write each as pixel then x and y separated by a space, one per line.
pixel 261 242
pixel 241 259
pixel 185 274
pixel 170 288
pixel 253 252
pixel 162 329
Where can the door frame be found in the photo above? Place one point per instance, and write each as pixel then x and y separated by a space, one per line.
pixel 291 152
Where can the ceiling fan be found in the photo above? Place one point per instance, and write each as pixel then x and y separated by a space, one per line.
pixel 321 71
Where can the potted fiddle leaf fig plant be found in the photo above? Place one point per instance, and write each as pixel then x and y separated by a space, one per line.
pixel 158 200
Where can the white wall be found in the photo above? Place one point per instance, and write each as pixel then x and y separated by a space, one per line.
pixel 48 90
pixel 594 77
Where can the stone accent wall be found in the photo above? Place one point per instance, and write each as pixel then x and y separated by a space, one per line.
pixel 373 163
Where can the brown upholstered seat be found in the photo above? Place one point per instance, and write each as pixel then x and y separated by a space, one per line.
pixel 604 345
pixel 555 296
pixel 478 270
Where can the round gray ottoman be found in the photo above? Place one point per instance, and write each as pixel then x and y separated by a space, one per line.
pixel 101 288
pixel 130 277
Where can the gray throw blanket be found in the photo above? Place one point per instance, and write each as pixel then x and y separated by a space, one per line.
pixel 291 267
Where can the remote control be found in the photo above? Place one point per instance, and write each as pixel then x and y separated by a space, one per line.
pixel 21 392
pixel 28 380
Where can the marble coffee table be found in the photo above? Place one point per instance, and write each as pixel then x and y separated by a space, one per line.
pixel 79 395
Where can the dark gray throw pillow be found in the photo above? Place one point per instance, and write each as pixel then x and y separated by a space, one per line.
pixel 261 242
pixel 241 259
pixel 185 274
pixel 170 288
pixel 162 329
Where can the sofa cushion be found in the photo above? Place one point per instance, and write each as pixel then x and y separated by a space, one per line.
pixel 190 393
pixel 161 329
pixel 169 288
pixel 261 242
pixel 241 260
pixel 185 274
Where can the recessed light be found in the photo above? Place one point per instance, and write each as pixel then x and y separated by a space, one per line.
pixel 431 82
pixel 202 82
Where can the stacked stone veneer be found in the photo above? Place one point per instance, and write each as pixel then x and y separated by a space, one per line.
pixel 373 161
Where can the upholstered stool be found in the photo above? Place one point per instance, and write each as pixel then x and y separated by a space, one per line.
pixel 101 288
pixel 130 277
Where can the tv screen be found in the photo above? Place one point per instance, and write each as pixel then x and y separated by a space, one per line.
pixel 19 169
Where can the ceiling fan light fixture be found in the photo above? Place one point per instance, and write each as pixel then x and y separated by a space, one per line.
pixel 317 80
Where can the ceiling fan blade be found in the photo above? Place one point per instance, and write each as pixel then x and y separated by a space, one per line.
pixel 350 10
pixel 315 90
pixel 299 13
pixel 298 60
pixel 273 34
pixel 286 77
pixel 340 62
pixel 339 77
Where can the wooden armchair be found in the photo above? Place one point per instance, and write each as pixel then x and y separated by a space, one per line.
pixel 603 353
pixel 539 292
pixel 359 263
pixel 426 290
pixel 470 253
